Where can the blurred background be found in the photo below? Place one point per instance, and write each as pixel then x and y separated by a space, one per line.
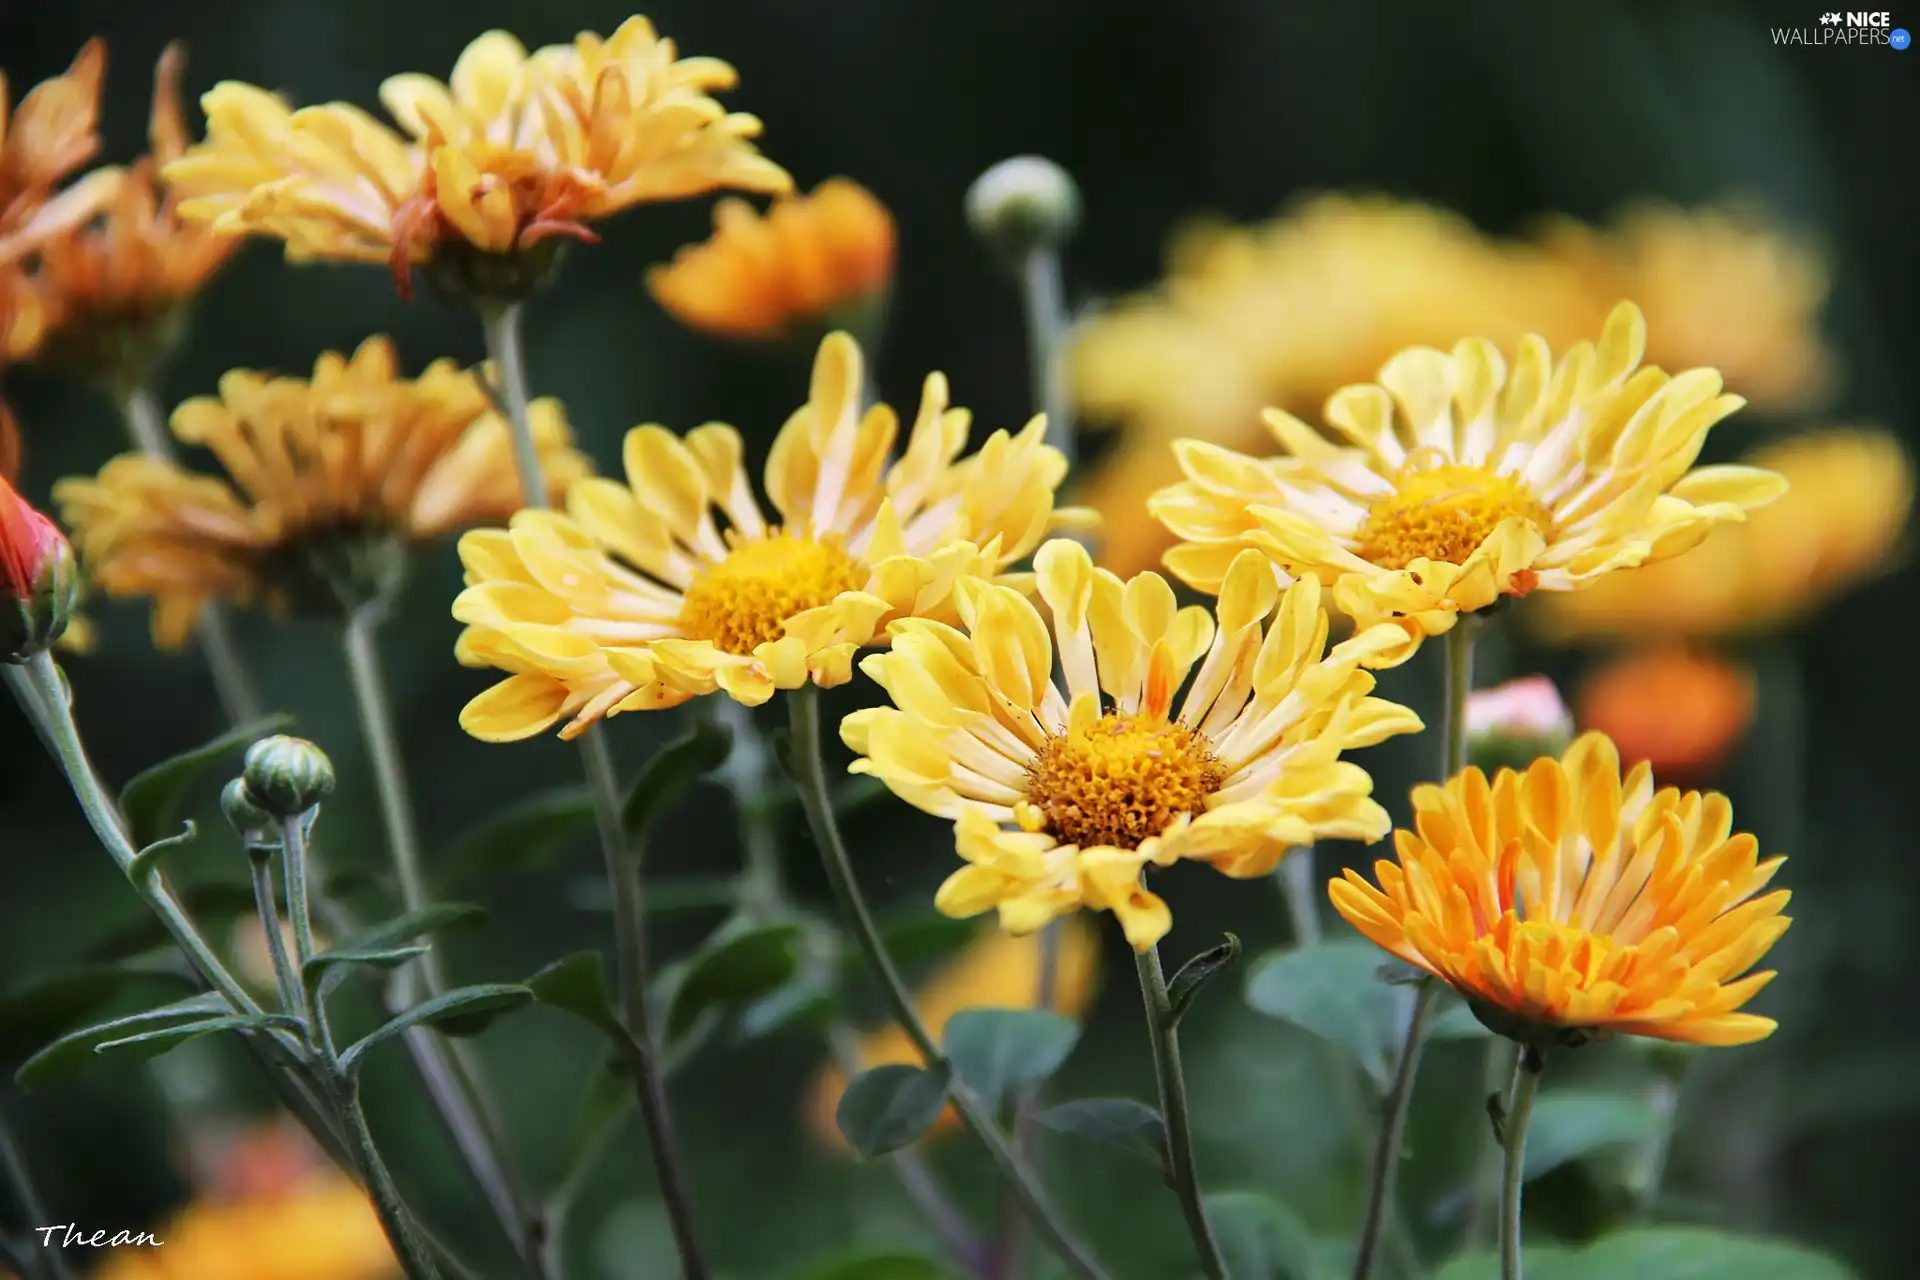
pixel 1504 116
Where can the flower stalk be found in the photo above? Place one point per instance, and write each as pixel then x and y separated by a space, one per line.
pixel 47 1263
pixel 1170 1077
pixel 1513 1141
pixel 809 776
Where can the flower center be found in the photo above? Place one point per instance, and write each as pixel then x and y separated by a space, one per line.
pixel 745 600
pixel 1444 512
pixel 1121 780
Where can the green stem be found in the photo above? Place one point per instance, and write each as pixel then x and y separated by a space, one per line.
pixel 630 958
pixel 1171 1079
pixel 810 779
pixel 415 1259
pixel 263 900
pixel 1514 1142
pixel 47 1263
pixel 1296 879
pixel 747 777
pixel 293 872
pixel 1393 1130
pixel 504 348
pixel 1497 1072
pixel 37 686
pixel 146 423
pixel 1044 298
pixel 1459 685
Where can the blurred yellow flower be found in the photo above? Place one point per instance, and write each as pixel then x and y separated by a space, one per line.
pixel 517 149
pixel 1286 313
pixel 996 971
pixel 1678 710
pixel 1566 903
pixel 109 285
pixel 1849 493
pixel 1463 481
pixel 270 1211
pixel 1722 287
pixel 52 132
pixel 330 480
pixel 636 600
pixel 1062 799
pixel 810 260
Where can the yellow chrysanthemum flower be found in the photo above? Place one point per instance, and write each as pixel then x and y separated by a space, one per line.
pixel 330 480
pixel 635 599
pixel 996 971
pixel 1566 902
pixel 1849 493
pixel 109 285
pixel 517 149
pixel 1062 798
pixel 811 258
pixel 54 131
pixel 1464 481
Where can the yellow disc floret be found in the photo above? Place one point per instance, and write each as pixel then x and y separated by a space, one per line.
pixel 1121 780
pixel 1444 513
pixel 745 600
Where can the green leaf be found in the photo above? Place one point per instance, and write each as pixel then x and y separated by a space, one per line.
pixel 603 1104
pixel 670 771
pixel 336 964
pixel 1663 1253
pixel 1570 1124
pixel 1197 972
pixel 522 837
pixel 1132 1127
pixel 75 1049
pixel 917 938
pixel 43 1008
pixel 807 1001
pixel 435 917
pixel 153 797
pixel 1259 1238
pixel 881 1266
pixel 148 859
pixel 151 1044
pixel 735 971
pixel 889 1107
pixel 464 1011
pixel 577 984
pixel 1000 1052
pixel 1333 991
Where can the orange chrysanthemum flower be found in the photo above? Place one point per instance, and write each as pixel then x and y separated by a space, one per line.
pixel 1680 711
pixel 515 153
pixel 54 132
pixel 811 259
pixel 1565 902
pixel 20 330
pixel 110 284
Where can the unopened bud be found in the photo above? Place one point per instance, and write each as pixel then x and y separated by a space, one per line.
pixel 1023 204
pixel 39 581
pixel 255 825
pixel 287 776
pixel 1513 724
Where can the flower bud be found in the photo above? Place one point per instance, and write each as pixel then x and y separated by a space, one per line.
pixel 1515 723
pixel 39 581
pixel 255 825
pixel 287 776
pixel 1023 204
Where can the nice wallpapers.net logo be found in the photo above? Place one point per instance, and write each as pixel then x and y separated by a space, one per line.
pixel 1855 30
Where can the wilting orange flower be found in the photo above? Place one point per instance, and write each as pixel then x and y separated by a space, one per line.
pixel 331 479
pixel 53 132
pixel 268 1210
pixel 1680 711
pixel 513 152
pixel 106 283
pixel 1565 902
pixel 1841 520
pixel 996 971
pixel 809 260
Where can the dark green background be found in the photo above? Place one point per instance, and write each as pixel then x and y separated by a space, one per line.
pixel 1503 111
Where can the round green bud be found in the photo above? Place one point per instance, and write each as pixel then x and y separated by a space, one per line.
pixel 254 823
pixel 1023 204
pixel 287 776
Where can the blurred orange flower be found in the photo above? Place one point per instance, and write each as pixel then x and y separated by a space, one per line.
pixel 1680 711
pixel 810 260
pixel 998 971
pixel 54 131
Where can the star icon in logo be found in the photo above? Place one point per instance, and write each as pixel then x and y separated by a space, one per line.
pixel 1830 19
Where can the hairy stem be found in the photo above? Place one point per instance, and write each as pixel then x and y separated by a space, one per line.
pixel 1170 1076
pixel 415 1259
pixel 1044 298
pixel 505 349
pixel 1296 880
pixel 803 706
pixel 1526 1084
pixel 288 983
